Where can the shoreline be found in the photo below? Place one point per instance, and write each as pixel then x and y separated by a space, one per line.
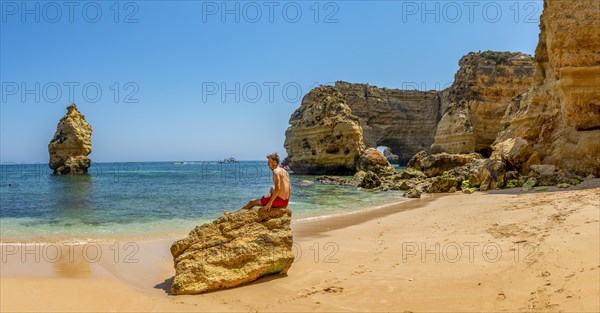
pixel 345 260
pixel 362 211
pixel 174 235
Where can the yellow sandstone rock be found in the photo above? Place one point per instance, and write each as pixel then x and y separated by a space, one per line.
pixel 560 116
pixel 71 144
pixel 233 250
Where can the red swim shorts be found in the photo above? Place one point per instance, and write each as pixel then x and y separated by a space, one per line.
pixel 277 203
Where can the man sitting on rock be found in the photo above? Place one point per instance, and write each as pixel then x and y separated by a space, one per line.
pixel 280 192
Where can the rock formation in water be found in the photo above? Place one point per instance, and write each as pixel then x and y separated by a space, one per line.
pixel 402 120
pixel 444 172
pixel 558 121
pixel 71 145
pixel 324 136
pixel 484 86
pixel 372 160
pixel 233 250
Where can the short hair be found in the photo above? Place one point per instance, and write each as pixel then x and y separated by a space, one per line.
pixel 274 156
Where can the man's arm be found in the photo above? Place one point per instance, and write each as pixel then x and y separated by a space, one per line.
pixel 277 185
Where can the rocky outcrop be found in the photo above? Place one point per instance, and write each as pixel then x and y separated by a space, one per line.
pixel 71 144
pixel 436 164
pixel 372 160
pixel 402 120
pixel 484 86
pixel 559 118
pixel 324 136
pixel 483 174
pixel 233 250
pixel 435 173
pixel 454 172
pixel 367 180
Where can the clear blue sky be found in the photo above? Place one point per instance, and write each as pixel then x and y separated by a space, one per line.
pixel 174 58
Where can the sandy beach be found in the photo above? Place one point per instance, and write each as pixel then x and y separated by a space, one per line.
pixel 504 250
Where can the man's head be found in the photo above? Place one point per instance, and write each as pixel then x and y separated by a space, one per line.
pixel 273 160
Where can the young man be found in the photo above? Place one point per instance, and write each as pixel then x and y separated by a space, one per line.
pixel 280 192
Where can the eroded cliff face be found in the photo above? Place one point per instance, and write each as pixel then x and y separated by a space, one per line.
pixel 463 118
pixel 71 144
pixel 402 120
pixel 324 136
pixel 558 120
pixel 484 86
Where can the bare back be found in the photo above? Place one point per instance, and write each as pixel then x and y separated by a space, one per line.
pixel 281 177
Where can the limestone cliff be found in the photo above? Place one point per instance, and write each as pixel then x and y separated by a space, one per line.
pixel 402 120
pixel 408 121
pixel 558 121
pixel 71 144
pixel 324 136
pixel 455 132
pixel 233 250
pixel 549 135
pixel 484 86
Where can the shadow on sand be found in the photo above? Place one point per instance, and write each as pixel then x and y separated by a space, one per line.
pixel 166 285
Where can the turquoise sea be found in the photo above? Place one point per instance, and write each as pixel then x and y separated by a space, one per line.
pixel 152 199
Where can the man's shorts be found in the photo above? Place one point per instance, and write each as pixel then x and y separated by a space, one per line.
pixel 277 203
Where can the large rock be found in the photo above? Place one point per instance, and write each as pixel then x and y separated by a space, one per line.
pixel 324 136
pixel 488 174
pixel 485 84
pixel 543 169
pixel 418 189
pixel 483 174
pixel 436 164
pixel 367 180
pixel 233 250
pixel 444 183
pixel 71 144
pixel 517 152
pixel 372 160
pixel 560 115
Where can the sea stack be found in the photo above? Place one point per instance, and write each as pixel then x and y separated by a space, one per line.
pixel 71 145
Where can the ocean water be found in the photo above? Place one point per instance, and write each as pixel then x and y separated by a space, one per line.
pixel 152 199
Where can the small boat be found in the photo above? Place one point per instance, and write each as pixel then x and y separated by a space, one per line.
pixel 229 161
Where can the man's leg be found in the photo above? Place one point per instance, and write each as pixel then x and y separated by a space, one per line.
pixel 252 203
